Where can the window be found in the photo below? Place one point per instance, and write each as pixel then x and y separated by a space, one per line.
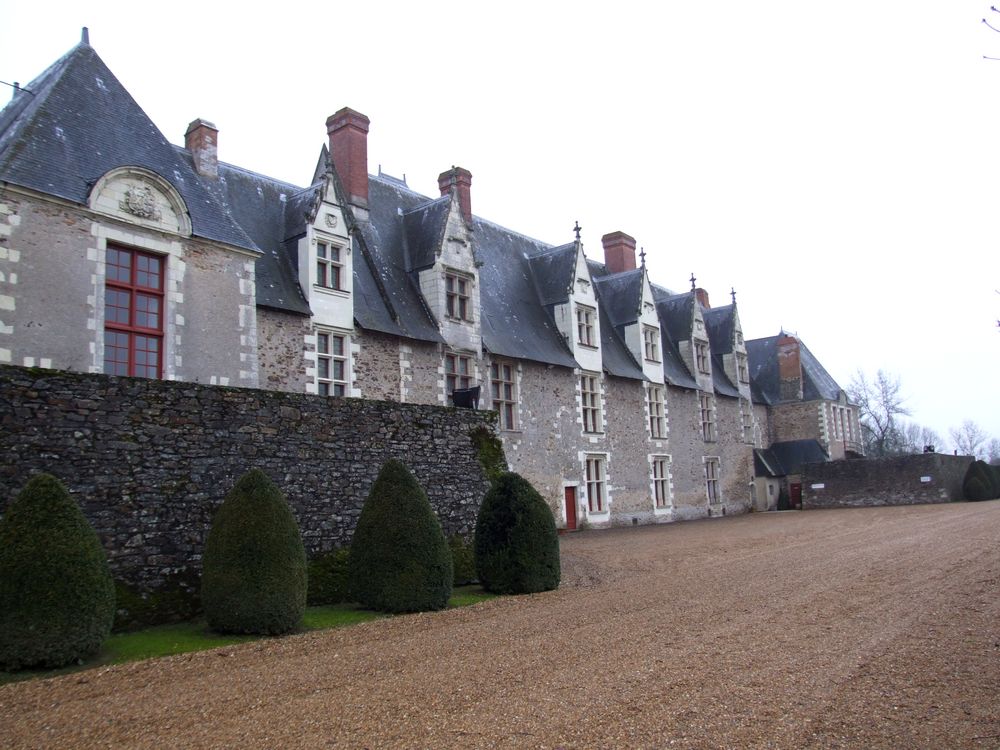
pixel 661 481
pixel 329 267
pixel 504 394
pixel 595 484
pixel 657 422
pixel 651 343
pixel 457 295
pixel 746 416
pixel 458 372
pixel 712 480
pixel 133 313
pixel 331 364
pixel 707 417
pixel 741 368
pixel 585 325
pixel 701 356
pixel 590 394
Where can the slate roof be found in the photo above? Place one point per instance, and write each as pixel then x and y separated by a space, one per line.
pixel 720 323
pixel 787 457
pixel 676 313
pixel 620 293
pixel 553 270
pixel 78 123
pixel 514 320
pixel 762 359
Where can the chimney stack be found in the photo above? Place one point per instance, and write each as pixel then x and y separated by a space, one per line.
pixel 202 140
pixel 702 296
pixel 348 131
pixel 461 181
pixel 619 252
pixel 789 368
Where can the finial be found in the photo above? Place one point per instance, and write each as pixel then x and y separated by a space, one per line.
pixel 577 228
pixel 642 256
pixel 85 36
pixel 732 291
pixel 693 279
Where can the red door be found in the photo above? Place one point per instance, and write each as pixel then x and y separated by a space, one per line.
pixel 571 508
pixel 795 490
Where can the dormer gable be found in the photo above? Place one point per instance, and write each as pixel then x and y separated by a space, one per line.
pixel 325 257
pixel 577 317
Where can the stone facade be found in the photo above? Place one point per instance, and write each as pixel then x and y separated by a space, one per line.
pixel 282 336
pixel 149 461
pixel 898 480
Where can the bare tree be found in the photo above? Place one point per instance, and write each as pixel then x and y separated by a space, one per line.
pixel 915 438
pixel 880 405
pixel 969 439
pixel 993 451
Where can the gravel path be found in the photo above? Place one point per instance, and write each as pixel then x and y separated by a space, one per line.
pixel 870 628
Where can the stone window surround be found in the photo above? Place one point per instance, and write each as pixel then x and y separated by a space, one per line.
pixel 329 266
pixel 458 293
pixel 595 474
pixel 656 412
pixel 701 356
pixel 329 355
pixel 343 249
pixel 591 403
pixel 454 375
pixel 713 474
pixel 661 483
pixel 651 345
pixel 706 403
pixel 585 317
pixel 504 393
pixel 130 327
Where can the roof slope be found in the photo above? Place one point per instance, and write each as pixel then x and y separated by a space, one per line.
pixel 762 357
pixel 514 320
pixel 77 123
pixel 787 457
pixel 553 270
pixel 621 293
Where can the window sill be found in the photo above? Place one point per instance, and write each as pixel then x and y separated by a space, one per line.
pixel 332 292
pixel 592 347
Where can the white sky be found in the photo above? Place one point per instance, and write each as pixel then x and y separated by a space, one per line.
pixel 836 162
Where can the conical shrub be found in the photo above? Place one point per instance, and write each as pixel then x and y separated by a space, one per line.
pixel 400 560
pixel 980 482
pixel 517 545
pixel 254 568
pixel 57 597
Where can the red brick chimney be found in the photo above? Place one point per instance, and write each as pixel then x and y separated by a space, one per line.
pixel 461 180
pixel 789 368
pixel 348 131
pixel 619 252
pixel 702 296
pixel 202 140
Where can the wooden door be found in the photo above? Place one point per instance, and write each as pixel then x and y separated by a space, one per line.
pixel 795 491
pixel 571 508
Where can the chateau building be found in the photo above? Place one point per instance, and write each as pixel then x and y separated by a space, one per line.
pixel 621 401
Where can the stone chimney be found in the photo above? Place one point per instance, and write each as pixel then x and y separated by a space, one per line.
pixel 789 368
pixel 348 131
pixel 461 181
pixel 619 252
pixel 202 140
pixel 702 296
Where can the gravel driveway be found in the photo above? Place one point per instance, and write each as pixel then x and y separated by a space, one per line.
pixel 849 628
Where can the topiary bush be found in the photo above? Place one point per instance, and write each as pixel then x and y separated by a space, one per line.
pixel 516 545
pixel 254 569
pixel 328 578
pixel 57 597
pixel 463 560
pixel 981 482
pixel 399 561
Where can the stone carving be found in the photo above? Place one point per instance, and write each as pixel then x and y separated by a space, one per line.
pixel 140 200
pixel 331 220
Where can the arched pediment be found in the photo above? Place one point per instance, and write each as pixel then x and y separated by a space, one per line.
pixel 140 196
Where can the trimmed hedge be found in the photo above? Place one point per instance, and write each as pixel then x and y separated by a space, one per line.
pixel 57 597
pixel 517 545
pixel 399 561
pixel 254 569
pixel 328 578
pixel 982 482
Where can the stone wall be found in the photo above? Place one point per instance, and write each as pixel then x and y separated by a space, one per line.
pixel 900 480
pixel 281 336
pixel 149 461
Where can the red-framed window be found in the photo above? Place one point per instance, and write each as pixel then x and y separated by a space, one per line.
pixel 133 312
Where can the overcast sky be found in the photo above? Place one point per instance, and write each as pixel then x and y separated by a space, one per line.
pixel 836 163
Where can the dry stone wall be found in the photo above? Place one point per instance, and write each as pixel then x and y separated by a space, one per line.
pixel 149 461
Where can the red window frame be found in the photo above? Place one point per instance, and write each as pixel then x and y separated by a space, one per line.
pixel 133 312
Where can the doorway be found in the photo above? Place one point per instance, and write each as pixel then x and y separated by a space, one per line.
pixel 571 508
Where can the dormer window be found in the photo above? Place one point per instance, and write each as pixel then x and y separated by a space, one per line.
pixel 585 325
pixel 329 266
pixel 701 356
pixel 457 296
pixel 651 343
pixel 741 367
